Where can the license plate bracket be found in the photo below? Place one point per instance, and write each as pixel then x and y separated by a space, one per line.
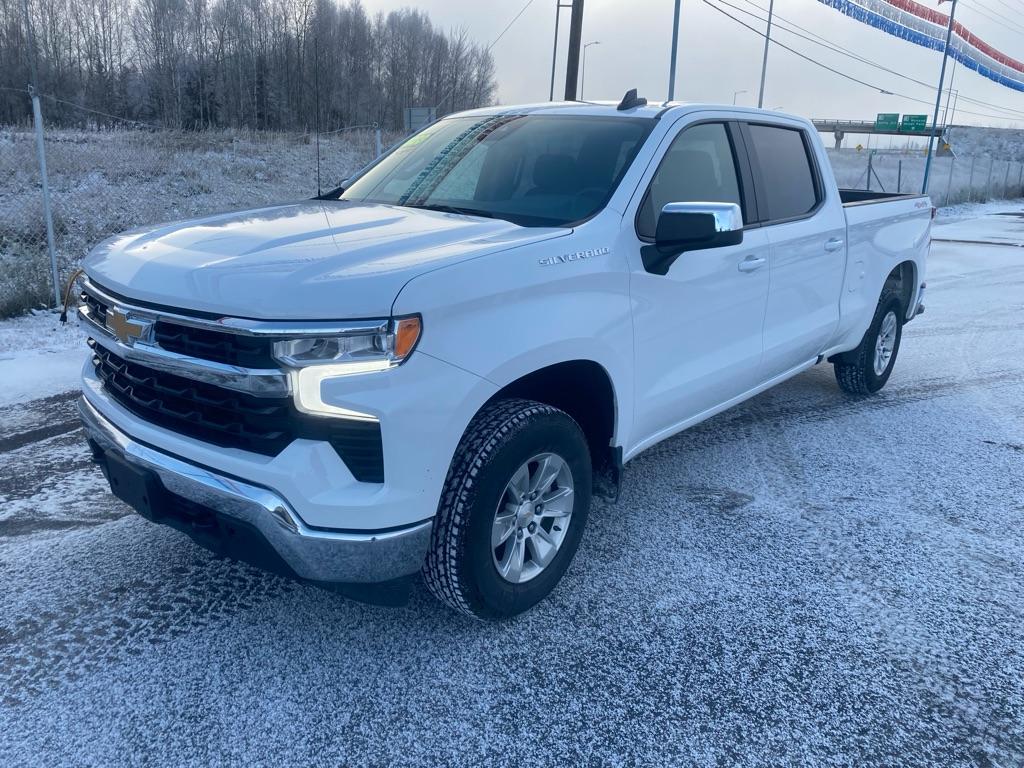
pixel 136 487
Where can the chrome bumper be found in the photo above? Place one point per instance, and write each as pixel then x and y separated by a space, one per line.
pixel 313 554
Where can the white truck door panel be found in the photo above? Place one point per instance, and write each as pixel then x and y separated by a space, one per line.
pixel 806 230
pixel 698 332
pixel 698 328
pixel 808 262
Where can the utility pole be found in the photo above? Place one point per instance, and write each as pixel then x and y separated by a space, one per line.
pixel 938 99
pixel 675 46
pixel 572 66
pixel 764 61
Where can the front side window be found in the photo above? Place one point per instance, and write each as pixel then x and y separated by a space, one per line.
pixel 699 167
pixel 781 156
pixel 533 170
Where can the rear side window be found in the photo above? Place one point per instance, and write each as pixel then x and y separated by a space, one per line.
pixel 780 154
pixel 699 167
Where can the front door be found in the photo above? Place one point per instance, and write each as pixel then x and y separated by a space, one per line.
pixel 698 328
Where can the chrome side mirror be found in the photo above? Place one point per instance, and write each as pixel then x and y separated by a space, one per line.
pixel 691 227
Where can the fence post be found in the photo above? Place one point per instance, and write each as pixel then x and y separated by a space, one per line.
pixel 870 155
pixel 37 118
pixel 988 184
pixel 970 184
pixel 949 180
pixel 899 177
pixel 1020 180
pixel 1006 181
pixel 377 143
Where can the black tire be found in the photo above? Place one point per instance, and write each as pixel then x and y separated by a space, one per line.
pixel 855 370
pixel 459 569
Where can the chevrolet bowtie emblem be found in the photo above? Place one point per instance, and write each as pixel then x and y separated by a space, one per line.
pixel 126 329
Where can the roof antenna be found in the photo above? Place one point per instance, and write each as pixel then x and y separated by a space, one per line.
pixel 316 89
pixel 631 100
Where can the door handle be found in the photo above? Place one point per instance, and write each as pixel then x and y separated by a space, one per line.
pixel 751 263
pixel 833 244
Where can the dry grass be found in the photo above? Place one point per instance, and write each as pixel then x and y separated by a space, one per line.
pixel 106 182
pixel 102 183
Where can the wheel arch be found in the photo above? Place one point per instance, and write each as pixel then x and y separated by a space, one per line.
pixel 903 279
pixel 583 389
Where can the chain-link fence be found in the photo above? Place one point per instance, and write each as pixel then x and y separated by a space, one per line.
pixel 106 181
pixel 951 179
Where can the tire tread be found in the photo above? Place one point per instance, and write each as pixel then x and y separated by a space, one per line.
pixel 852 371
pixel 488 430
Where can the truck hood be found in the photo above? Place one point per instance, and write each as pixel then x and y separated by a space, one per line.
pixel 312 260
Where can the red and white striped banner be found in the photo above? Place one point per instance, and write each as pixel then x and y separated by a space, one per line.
pixel 923 26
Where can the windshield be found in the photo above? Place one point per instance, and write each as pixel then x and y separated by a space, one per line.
pixel 534 170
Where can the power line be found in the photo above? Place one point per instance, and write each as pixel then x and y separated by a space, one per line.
pixel 836 71
pixel 509 25
pixel 991 14
pixel 1013 8
pixel 835 47
pixel 493 43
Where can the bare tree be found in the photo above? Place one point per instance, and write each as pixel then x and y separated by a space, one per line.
pixel 234 63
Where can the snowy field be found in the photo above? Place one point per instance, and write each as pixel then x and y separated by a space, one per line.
pixel 807 579
pixel 106 182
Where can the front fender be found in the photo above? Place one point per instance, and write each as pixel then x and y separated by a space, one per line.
pixel 509 314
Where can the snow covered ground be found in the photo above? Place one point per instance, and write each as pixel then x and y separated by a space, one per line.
pixel 807 579
pixel 38 356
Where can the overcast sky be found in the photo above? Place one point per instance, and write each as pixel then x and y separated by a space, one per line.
pixel 718 57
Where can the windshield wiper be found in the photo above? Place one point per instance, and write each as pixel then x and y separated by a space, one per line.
pixel 452 209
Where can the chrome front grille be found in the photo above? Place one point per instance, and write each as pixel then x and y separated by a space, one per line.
pixel 204 411
pixel 226 348
pixel 212 383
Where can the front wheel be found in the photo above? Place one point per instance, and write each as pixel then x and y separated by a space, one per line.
pixel 512 511
pixel 864 370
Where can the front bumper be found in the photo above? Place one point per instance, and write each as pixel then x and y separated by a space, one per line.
pixel 312 554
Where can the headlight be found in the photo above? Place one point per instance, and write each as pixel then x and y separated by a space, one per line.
pixel 353 351
pixel 376 346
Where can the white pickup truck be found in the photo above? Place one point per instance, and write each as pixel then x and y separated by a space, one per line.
pixel 433 368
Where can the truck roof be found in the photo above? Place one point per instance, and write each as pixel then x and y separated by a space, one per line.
pixel 610 109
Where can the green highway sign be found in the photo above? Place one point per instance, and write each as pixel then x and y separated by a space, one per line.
pixel 887 121
pixel 914 123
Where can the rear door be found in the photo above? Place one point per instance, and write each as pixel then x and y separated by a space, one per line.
pixel 697 328
pixel 806 229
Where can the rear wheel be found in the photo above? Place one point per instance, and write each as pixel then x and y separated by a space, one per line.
pixel 513 510
pixel 866 369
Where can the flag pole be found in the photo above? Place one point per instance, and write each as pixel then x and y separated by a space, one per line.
pixel 938 99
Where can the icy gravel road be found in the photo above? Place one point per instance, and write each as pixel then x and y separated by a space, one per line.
pixel 807 579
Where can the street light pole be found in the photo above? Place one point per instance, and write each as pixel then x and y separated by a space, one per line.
pixel 764 61
pixel 583 68
pixel 734 95
pixel 938 100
